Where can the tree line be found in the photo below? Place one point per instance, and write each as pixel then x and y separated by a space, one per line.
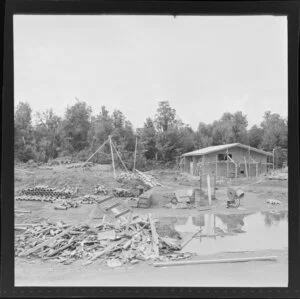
pixel 161 140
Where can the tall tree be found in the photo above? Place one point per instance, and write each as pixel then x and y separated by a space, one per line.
pixel 24 148
pixel 148 137
pixel 275 131
pixel 165 117
pixel 77 125
pixel 255 135
pixel 48 133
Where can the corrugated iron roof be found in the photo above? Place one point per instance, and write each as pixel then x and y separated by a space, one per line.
pixel 216 148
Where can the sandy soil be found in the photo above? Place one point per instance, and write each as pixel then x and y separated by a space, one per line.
pixel 48 273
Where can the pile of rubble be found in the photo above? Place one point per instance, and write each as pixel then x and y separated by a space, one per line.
pixel 115 244
pixel 47 192
pixel 100 189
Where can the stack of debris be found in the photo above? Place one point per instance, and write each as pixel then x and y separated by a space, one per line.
pixel 115 244
pixel 47 192
pixel 100 189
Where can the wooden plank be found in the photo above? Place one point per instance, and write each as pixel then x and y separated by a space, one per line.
pixel 155 241
pixel 22 211
pixel 112 156
pixel 122 213
pixel 134 161
pixel 246 167
pixel 94 153
pixel 113 206
pixel 41 245
pixel 119 157
pixel 216 261
pixel 104 199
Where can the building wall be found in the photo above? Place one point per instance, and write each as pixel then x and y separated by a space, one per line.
pixel 194 166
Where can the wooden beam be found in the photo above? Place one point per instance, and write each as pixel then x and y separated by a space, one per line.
pixel 246 166
pixel 94 153
pixel 112 206
pixel 216 165
pixel 112 157
pixel 104 199
pixel 155 241
pixel 208 190
pixel 122 213
pixel 216 261
pixel 134 161
pixel 119 157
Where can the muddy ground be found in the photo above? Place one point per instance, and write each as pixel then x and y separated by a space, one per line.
pixel 31 272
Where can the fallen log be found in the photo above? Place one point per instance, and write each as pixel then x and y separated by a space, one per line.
pixel 217 261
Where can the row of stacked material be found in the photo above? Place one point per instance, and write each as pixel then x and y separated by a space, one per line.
pixel 47 192
pixel 34 198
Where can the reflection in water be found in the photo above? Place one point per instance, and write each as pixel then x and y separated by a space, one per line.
pixel 273 218
pixel 235 232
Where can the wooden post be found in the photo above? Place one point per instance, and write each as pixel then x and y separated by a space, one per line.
pixel 112 157
pixel 216 165
pixel 208 190
pixel 273 159
pixel 134 161
pixel 215 261
pixel 215 183
pixel 119 156
pixel 227 163
pixel 246 166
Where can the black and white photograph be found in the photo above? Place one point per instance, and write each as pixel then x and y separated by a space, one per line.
pixel 150 150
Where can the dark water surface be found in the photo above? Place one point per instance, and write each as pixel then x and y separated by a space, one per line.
pixel 234 232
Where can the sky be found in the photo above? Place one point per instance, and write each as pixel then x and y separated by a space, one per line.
pixel 203 65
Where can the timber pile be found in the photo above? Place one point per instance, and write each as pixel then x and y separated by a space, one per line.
pixel 47 192
pixel 100 189
pixel 146 179
pixel 114 244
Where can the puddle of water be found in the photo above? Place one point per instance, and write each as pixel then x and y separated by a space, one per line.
pixel 234 232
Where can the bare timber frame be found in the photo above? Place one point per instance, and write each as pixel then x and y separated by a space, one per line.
pixel 228 160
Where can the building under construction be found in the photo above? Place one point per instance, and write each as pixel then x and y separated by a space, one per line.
pixel 228 160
